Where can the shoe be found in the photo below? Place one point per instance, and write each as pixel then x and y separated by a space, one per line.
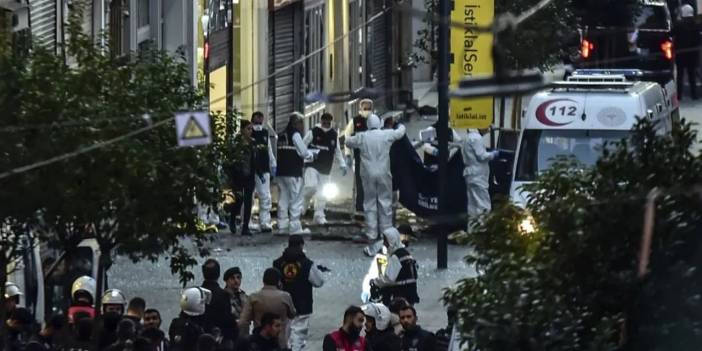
pixel 254 227
pixel 246 233
pixel 266 228
pixel 221 225
pixel 301 231
pixel 232 226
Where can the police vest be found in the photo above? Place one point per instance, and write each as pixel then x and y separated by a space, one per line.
pixel 431 160
pixel 290 164
pixel 262 160
pixel 325 142
pixel 406 282
pixel 344 344
pixel 360 124
pixel 296 275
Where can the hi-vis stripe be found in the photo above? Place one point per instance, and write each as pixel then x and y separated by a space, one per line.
pixel 324 148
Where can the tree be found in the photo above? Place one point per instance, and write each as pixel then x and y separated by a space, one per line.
pixel 137 196
pixel 545 40
pixel 572 284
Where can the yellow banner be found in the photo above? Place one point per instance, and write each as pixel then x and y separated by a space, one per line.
pixel 472 56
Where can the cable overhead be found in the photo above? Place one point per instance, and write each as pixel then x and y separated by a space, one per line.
pixel 80 151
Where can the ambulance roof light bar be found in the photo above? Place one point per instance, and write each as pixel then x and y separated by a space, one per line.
pixel 626 72
pixel 599 78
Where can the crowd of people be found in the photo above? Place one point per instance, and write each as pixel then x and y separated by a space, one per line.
pixel 215 317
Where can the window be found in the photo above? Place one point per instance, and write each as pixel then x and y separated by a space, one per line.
pixel 541 147
pixel 143 15
pixel 314 40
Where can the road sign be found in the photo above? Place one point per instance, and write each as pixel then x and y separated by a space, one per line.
pixel 471 53
pixel 193 128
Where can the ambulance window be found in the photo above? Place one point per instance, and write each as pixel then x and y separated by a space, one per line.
pixel 540 148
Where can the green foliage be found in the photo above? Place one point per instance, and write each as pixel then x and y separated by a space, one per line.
pixel 137 196
pixel 572 284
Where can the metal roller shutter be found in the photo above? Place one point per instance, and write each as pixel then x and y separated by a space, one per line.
pixel 285 86
pixel 43 20
pixel 379 56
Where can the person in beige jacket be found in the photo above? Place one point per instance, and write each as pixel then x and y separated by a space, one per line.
pixel 269 299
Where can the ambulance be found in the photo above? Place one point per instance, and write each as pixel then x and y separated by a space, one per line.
pixel 577 117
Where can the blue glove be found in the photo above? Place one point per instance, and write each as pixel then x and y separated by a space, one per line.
pixel 365 296
pixel 273 171
pixel 495 153
pixel 262 179
pixel 435 152
pixel 344 170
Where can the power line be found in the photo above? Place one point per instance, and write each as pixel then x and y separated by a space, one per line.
pixel 80 151
pixel 83 150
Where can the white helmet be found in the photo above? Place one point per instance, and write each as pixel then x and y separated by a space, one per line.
pixel 379 312
pixel 193 300
pixel 374 122
pixel 85 284
pixel 12 290
pixel 114 297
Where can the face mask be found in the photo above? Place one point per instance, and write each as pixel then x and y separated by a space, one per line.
pixel 325 128
pixel 364 113
pixel 258 127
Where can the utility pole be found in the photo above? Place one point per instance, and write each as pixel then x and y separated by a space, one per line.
pixel 444 10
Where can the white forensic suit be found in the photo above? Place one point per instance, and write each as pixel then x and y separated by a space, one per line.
pixel 266 162
pixel 326 140
pixel 292 152
pixel 374 147
pixel 477 175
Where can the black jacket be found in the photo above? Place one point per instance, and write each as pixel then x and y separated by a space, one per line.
pixel 385 340
pixel 218 312
pixel 418 339
pixel 184 332
pixel 687 39
pixel 256 342
pixel 157 338
pixel 295 267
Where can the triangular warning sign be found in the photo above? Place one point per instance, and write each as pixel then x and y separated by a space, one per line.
pixel 193 130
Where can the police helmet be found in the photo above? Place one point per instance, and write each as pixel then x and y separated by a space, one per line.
pixel 86 285
pixel 193 300
pixel 379 312
pixel 12 290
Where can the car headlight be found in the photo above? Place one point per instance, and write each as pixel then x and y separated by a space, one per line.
pixel 330 191
pixel 527 225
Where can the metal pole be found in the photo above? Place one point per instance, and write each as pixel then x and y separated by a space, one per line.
pixel 444 10
pixel 230 60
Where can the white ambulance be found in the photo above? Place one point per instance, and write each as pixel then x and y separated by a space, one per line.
pixel 576 117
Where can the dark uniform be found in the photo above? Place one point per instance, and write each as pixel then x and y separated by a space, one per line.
pixel 296 267
pixel 326 143
pixel 418 339
pixel 290 164
pixel 406 283
pixel 360 124
pixel 184 332
pixel 262 161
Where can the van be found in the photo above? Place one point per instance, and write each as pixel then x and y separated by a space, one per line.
pixel 576 117
pixel 647 48
pixel 45 277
